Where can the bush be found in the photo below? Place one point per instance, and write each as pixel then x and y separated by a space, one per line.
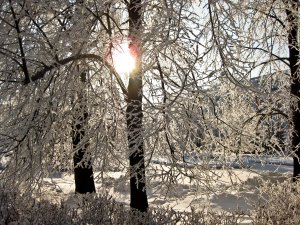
pixel 97 209
pixel 8 210
pixel 280 204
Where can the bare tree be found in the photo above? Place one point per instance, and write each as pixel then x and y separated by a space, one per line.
pixel 191 97
pixel 292 12
pixel 134 113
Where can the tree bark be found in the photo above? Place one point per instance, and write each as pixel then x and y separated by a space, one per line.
pixel 292 16
pixel 83 170
pixel 134 115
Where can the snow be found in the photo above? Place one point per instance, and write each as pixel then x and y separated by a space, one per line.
pixel 184 195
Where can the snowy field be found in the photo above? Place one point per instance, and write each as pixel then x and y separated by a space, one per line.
pixel 184 195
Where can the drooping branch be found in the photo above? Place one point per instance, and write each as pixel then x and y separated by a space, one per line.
pixel 41 73
pixel 172 150
pixel 20 42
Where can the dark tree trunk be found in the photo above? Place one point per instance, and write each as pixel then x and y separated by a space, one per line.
pixel 134 115
pixel 292 16
pixel 83 170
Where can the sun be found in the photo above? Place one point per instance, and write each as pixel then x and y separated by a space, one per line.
pixel 122 59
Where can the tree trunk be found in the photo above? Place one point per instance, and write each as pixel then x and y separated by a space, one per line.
pixel 292 16
pixel 134 115
pixel 83 170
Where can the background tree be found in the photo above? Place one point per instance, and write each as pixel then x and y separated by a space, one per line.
pixel 265 40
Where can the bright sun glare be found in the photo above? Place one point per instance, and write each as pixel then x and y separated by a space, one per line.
pixel 122 59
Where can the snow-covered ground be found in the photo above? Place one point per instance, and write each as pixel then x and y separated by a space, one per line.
pixel 185 194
